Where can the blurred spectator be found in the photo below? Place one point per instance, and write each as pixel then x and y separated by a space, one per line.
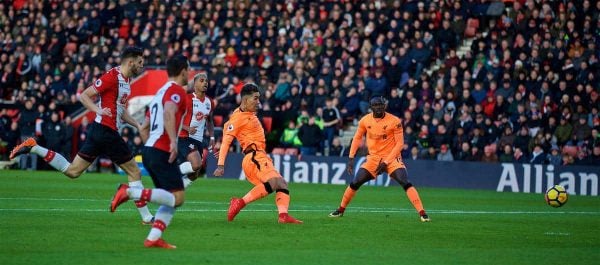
pixel 310 135
pixel 53 132
pixel 489 156
pixel 475 154
pixel 595 156
pixel 137 145
pixel 10 138
pixel 414 154
pixel 537 155
pixel 507 155
pixel 445 154
pixel 464 152
pixel 337 149
pixel 289 137
pixel 331 119
pixel 554 157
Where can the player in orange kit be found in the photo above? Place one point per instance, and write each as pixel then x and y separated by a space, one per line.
pixel 257 165
pixel 385 139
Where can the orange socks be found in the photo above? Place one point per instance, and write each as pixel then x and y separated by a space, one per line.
pixel 413 197
pixel 255 193
pixel 348 195
pixel 282 200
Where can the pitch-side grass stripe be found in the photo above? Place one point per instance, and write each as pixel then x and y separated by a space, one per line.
pixel 306 210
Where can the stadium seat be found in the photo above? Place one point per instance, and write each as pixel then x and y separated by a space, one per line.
pixel 267 123
pixel 218 119
pixel 278 151
pixel 71 47
pixel 470 32
pixel 570 150
pixel 291 151
pixel 493 147
pixel 473 22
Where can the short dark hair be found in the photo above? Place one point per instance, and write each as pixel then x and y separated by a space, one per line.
pixel 249 89
pixel 131 52
pixel 176 64
pixel 377 100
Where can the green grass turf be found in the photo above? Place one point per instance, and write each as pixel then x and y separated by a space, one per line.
pixel 45 218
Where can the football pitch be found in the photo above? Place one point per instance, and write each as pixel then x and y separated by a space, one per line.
pixel 46 218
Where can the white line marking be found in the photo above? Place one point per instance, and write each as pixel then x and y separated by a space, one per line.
pixel 557 234
pixel 312 208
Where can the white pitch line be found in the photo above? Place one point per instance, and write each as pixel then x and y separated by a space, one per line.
pixel 313 208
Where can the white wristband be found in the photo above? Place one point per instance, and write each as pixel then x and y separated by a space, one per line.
pixel 212 137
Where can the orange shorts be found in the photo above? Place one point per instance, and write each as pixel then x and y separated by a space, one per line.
pixel 373 161
pixel 255 175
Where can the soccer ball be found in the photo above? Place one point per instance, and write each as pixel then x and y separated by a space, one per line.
pixel 556 196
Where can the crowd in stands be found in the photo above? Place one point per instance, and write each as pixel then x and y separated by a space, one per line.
pixel 527 91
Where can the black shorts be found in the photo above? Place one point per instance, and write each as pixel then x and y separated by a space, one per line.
pixel 102 140
pixel 165 175
pixel 187 145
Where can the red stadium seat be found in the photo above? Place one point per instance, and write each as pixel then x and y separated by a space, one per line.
pixel 267 123
pixel 570 150
pixel 71 47
pixel 278 151
pixel 470 32
pixel 218 119
pixel 473 22
pixel 493 147
pixel 291 151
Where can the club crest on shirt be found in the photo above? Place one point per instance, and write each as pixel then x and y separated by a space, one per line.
pixel 175 98
pixel 230 127
pixel 98 83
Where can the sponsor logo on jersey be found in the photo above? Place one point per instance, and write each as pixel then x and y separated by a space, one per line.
pixel 175 98
pixel 200 116
pixel 123 100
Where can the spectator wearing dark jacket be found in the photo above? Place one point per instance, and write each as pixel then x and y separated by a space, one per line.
pixel 311 136
pixel 420 58
pixel 537 155
pixel 377 85
pixel 27 120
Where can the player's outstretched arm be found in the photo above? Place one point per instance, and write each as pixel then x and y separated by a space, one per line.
pixel 227 139
pixel 86 100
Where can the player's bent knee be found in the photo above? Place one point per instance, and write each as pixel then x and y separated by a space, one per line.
pixel 407 185
pixel 355 185
pixel 268 187
pixel 286 191
pixel 72 174
pixel 179 201
pixel 196 167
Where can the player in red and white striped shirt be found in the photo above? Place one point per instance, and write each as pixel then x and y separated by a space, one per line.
pixel 160 151
pixel 199 117
pixel 113 90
